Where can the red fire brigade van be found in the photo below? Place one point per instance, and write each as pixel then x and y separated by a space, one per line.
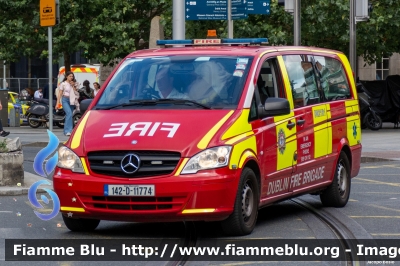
pixel 212 132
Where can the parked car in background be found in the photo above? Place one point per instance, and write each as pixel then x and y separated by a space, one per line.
pixel 14 101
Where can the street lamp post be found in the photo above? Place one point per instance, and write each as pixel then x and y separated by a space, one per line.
pixel 4 74
pixel 352 48
pixel 297 22
pixel 178 19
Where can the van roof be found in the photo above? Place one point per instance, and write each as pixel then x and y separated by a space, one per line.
pixel 228 50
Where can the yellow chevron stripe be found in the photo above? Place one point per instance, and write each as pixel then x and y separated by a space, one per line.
pixel 76 140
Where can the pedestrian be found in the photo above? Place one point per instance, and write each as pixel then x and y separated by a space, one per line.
pixel 66 97
pixel 86 92
pixel 96 86
pixel 2 132
pixel 77 94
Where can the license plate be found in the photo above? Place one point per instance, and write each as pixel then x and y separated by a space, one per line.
pixel 129 190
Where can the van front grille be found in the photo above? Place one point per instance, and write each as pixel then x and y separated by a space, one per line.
pixel 152 163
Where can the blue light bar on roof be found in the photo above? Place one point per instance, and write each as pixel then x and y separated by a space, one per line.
pixel 246 40
pixel 172 42
pixel 212 41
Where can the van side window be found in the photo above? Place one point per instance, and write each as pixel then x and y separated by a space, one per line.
pixel 302 80
pixel 268 84
pixel 265 82
pixel 333 78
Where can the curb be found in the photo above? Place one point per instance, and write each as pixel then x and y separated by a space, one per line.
pixel 29 179
pixel 39 144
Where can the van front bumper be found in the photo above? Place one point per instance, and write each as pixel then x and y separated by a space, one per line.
pixel 204 196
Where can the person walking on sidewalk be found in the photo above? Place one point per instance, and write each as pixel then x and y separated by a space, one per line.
pixel 66 97
pixel 2 132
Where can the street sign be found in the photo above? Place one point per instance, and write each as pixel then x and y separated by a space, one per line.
pixel 206 10
pixel 259 7
pixel 239 9
pixel 47 13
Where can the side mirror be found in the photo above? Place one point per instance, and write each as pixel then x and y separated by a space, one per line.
pixel 273 107
pixel 84 105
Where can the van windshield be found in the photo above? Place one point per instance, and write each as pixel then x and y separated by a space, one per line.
pixel 177 82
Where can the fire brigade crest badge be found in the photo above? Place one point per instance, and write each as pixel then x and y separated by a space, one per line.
pixel 281 141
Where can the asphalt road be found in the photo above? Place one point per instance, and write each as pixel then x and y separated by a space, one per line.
pixel 372 212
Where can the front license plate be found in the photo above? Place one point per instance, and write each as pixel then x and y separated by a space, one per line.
pixel 129 190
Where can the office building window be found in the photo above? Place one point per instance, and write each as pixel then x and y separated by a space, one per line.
pixel 382 69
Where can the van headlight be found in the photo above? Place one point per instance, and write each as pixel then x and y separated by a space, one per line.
pixel 69 160
pixel 208 159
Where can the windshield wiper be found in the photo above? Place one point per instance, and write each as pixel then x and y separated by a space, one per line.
pixel 173 100
pixel 156 101
pixel 131 103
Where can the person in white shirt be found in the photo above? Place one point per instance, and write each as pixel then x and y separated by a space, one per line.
pixel 38 94
pixel 66 98
pixel 165 86
pixel 96 86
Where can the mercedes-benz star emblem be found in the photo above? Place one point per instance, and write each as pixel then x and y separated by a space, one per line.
pixel 130 163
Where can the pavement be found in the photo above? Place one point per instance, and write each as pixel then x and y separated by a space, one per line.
pixel 381 145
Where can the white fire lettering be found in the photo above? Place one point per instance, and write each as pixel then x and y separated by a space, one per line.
pixel 172 130
pixel 295 180
pixel 314 174
pixel 143 127
pixel 153 129
pixel 278 186
pixel 120 127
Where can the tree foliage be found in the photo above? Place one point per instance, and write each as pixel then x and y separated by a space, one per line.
pixel 109 29
pixel 105 29
pixel 323 24
pixel 20 33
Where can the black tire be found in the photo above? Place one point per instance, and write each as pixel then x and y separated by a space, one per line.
pixel 33 124
pixel 76 118
pixel 244 217
pixel 372 123
pixel 338 192
pixel 80 225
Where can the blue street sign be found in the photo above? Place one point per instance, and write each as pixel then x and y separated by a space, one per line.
pixel 239 9
pixel 259 7
pixel 206 10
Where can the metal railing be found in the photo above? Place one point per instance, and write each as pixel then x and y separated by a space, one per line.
pixel 18 84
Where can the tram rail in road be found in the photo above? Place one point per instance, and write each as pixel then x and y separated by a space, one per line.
pixel 340 230
pixel 189 241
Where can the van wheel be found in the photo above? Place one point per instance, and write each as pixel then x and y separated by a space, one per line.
pixel 80 225
pixel 244 217
pixel 337 194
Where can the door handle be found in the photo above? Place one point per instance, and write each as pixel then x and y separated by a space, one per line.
pixel 290 125
pixel 300 122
